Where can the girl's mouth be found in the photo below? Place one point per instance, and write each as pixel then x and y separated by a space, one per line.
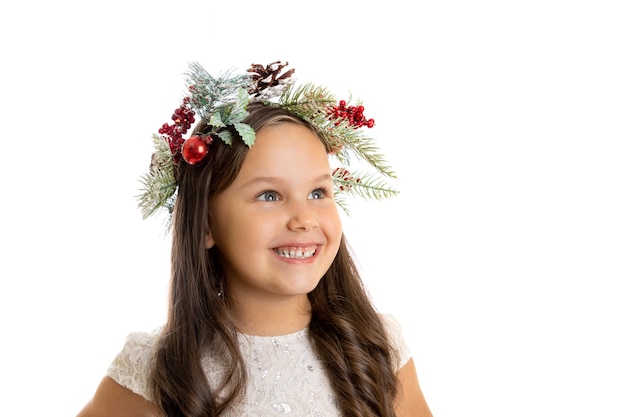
pixel 296 252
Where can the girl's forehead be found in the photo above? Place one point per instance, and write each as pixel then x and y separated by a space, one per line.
pixel 286 137
pixel 285 150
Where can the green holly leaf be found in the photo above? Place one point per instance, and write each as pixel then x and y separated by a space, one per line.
pixel 238 109
pixel 226 137
pixel 216 120
pixel 247 133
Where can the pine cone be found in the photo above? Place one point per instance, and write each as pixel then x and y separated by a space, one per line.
pixel 268 76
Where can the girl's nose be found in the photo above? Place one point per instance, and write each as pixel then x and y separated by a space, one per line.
pixel 302 217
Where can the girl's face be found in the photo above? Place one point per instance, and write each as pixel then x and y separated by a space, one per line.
pixel 277 226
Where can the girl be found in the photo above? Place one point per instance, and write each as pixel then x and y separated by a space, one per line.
pixel 267 312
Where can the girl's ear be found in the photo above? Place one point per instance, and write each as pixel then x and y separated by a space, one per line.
pixel 209 242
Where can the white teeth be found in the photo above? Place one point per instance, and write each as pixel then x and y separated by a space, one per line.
pixel 295 253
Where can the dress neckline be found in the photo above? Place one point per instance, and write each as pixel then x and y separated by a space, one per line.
pixel 299 334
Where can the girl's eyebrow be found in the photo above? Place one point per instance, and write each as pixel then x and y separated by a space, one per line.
pixel 257 180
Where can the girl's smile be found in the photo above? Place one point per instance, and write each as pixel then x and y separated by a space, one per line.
pixel 296 252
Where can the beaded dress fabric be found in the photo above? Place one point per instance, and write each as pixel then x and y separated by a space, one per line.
pixel 285 377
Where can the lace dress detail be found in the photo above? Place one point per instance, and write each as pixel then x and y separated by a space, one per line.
pixel 285 377
pixel 131 368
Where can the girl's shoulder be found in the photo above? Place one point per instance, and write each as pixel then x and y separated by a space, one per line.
pixel 396 338
pixel 133 365
pixel 114 400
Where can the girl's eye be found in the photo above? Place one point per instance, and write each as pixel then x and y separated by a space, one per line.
pixel 317 194
pixel 268 196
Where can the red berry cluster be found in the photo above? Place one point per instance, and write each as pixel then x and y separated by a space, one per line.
pixel 344 174
pixel 354 115
pixel 183 118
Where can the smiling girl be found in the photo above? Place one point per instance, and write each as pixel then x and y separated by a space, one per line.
pixel 267 314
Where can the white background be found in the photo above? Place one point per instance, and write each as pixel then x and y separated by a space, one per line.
pixel 504 255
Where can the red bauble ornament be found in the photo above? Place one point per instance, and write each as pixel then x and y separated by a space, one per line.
pixel 195 149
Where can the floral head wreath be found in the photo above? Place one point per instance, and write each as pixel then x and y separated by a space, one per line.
pixel 223 101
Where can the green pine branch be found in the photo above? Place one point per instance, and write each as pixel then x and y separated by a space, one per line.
pixel 158 186
pixel 367 185
pixel 365 148
pixel 209 93
pixel 311 102
pixel 307 100
pixel 341 200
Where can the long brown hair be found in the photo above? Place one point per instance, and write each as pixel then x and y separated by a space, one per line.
pixel 345 329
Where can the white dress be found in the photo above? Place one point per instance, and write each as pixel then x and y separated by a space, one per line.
pixel 285 377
